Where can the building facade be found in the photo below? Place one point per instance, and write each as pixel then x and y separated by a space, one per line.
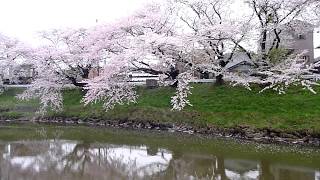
pixel 296 37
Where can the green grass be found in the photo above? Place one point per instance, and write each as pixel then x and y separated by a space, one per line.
pixel 212 105
pixel 11 107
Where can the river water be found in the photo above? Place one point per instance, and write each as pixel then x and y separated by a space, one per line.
pixel 52 153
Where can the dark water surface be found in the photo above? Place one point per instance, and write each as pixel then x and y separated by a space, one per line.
pixel 80 153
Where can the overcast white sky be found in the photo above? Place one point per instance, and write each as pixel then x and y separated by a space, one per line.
pixel 24 18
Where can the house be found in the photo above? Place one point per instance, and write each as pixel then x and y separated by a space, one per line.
pixel 240 63
pixel 297 37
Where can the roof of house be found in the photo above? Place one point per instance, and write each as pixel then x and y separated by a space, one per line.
pixel 238 59
pixel 298 25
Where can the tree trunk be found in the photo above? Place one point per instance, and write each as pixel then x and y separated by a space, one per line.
pixel 74 82
pixel 174 73
pixel 86 72
pixel 264 45
pixel 219 80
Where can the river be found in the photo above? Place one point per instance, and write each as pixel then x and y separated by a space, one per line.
pixel 82 153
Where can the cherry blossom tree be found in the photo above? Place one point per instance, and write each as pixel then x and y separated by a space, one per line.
pixel 314 13
pixel 215 30
pixel 64 60
pixel 69 54
pixel 12 52
pixel 143 37
pixel 173 41
pixel 275 21
pixel 3 58
pixel 145 42
pixel 122 47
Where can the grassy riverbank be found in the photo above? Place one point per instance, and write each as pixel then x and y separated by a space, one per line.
pixel 219 106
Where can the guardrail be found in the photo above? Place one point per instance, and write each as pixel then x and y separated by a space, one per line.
pixel 17 86
pixel 136 83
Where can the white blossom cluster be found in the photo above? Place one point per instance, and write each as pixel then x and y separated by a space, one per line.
pixel 48 91
pixel 111 88
pixel 180 100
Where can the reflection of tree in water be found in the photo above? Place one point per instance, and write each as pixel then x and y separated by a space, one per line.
pixel 265 171
pixel 82 160
pixel 73 160
pixel 79 156
pixel 195 166
pixel 190 166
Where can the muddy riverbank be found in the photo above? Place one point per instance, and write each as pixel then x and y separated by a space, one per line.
pixel 265 135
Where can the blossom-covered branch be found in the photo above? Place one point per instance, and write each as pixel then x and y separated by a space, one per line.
pixel 111 88
pixel 180 100
pixel 48 90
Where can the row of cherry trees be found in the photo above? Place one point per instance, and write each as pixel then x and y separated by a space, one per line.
pixel 11 51
pixel 172 39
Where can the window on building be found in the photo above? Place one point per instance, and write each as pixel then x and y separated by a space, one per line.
pixel 301 36
pixel 307 58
